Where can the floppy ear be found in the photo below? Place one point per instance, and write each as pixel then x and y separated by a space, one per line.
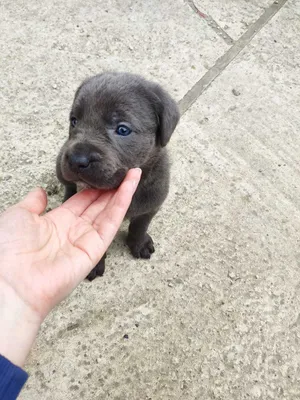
pixel 168 115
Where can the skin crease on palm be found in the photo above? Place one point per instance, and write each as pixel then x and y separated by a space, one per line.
pixel 43 258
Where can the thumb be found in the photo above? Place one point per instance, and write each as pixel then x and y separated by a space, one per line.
pixel 35 201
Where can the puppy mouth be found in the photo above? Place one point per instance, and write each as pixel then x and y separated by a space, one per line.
pixel 83 181
pixel 81 185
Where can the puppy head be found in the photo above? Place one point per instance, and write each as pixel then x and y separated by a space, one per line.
pixel 118 121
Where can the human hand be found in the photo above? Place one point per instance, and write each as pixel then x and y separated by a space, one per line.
pixel 43 258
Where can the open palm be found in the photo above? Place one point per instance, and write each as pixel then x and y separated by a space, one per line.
pixel 43 258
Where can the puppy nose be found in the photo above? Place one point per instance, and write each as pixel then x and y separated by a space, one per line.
pixel 78 161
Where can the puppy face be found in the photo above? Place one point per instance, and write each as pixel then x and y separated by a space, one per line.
pixel 117 122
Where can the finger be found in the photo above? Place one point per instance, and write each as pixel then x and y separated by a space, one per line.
pixel 94 243
pixel 109 221
pixel 35 201
pixel 97 206
pixel 78 203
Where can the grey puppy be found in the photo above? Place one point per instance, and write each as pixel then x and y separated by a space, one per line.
pixel 120 121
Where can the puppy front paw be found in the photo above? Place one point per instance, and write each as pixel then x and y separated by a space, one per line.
pixel 97 271
pixel 141 248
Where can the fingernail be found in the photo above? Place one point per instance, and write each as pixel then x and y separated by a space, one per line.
pixel 134 182
pixel 38 189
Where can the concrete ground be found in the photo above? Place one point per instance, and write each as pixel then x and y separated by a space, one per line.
pixel 215 313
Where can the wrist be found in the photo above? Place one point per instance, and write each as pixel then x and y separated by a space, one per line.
pixel 19 326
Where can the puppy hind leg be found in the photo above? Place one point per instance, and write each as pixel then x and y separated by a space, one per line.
pixel 138 240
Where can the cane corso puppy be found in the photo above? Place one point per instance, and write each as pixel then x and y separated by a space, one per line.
pixel 120 121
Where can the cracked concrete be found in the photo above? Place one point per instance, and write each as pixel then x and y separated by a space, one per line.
pixel 234 17
pixel 215 313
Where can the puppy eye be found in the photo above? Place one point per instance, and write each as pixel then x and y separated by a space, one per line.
pixel 73 121
pixel 123 130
